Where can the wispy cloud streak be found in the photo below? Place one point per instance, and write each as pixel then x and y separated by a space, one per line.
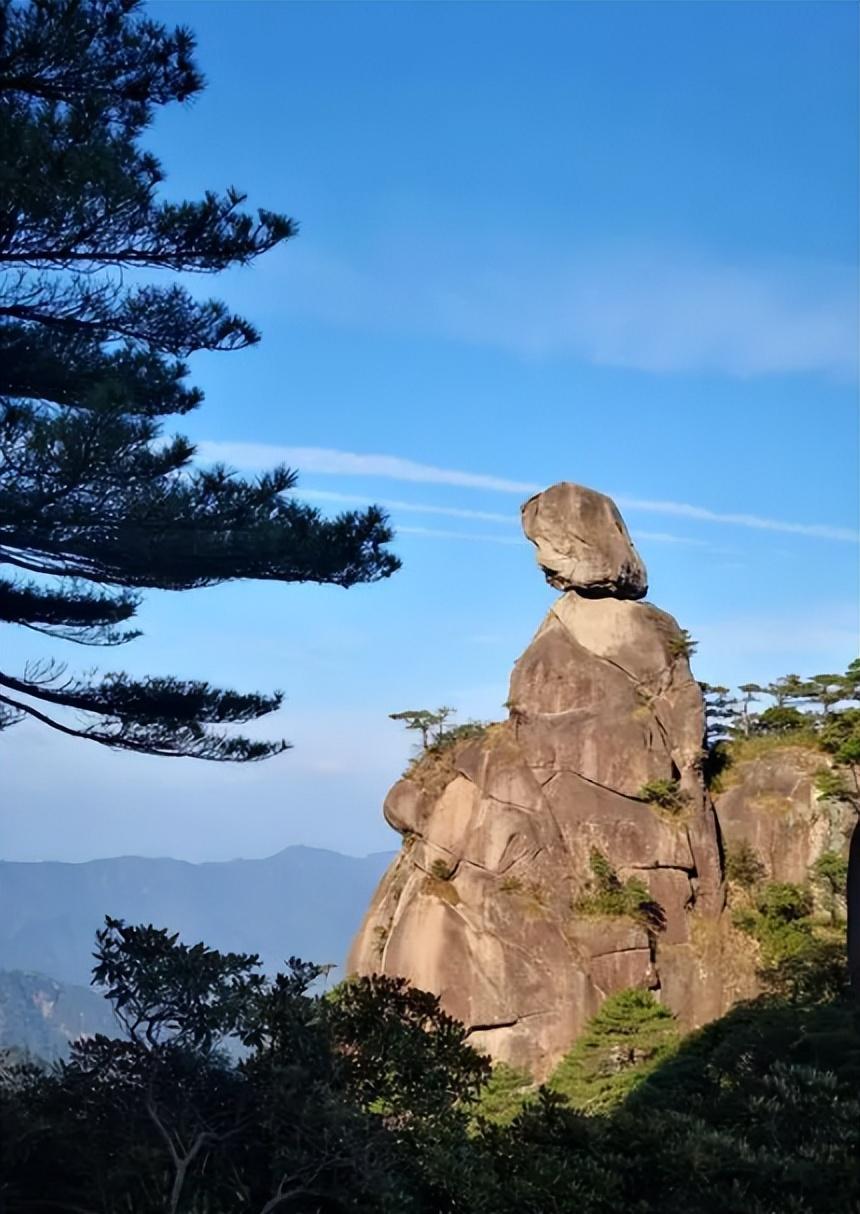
pixel 355 499
pixel 822 531
pixel 327 461
pixel 484 516
pixel 662 311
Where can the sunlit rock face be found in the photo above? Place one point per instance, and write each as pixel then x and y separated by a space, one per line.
pixel 491 901
pixel 771 803
pixel 582 543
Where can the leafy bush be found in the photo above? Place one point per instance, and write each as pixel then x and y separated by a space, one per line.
pixel 459 733
pixel 744 866
pixel 505 1095
pixel 682 644
pixel 627 1038
pixel 780 922
pixel 815 971
pixel 830 874
pixel 665 793
pixel 607 895
pixel 830 785
pixel 784 902
pixel 841 730
pixel 780 719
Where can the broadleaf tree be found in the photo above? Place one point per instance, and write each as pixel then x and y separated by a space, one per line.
pixel 97 503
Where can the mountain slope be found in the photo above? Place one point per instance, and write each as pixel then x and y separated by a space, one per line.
pixel 303 901
pixel 41 1016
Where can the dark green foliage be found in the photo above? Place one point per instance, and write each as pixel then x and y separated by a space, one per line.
pixel 755 1114
pixel 682 645
pixel 665 793
pixel 744 866
pixel 779 719
pixel 97 503
pixel 734 733
pixel 405 1058
pixel 629 1036
pixel 364 1101
pixel 606 894
pixel 840 736
pixel 830 784
pixel 717 758
pixel 163 990
pixel 722 714
pixel 425 721
pixel 779 922
pixel 784 902
pixel 505 1094
pixel 830 872
pixel 460 733
pixel 328 1107
pixel 812 971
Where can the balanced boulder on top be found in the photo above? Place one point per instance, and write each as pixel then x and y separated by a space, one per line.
pixel 582 543
pixel 572 850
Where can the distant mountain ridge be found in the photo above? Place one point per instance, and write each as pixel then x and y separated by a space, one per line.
pixel 303 901
pixel 40 1017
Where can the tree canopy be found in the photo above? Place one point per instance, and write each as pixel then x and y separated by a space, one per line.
pixel 97 503
pixel 229 1091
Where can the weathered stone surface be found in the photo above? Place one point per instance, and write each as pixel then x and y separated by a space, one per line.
pixel 487 903
pixel 770 803
pixel 582 543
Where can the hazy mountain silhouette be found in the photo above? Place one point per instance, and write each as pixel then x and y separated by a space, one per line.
pixel 40 1017
pixel 303 902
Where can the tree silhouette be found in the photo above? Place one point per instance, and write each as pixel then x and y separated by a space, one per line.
pixel 96 504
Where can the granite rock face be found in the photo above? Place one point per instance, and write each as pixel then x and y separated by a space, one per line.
pixel 488 903
pixel 582 543
pixel 770 803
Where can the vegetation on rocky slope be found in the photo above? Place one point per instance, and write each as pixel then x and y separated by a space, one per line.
pixel 371 1099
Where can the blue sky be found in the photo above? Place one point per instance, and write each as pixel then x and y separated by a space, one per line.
pixel 611 243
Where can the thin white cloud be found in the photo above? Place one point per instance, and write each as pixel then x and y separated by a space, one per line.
pixel 822 531
pixel 355 499
pixel 663 311
pixel 486 516
pixel 327 461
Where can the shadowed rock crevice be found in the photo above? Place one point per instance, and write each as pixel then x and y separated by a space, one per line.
pixel 602 704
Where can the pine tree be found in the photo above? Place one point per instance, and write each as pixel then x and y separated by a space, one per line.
pixel 96 503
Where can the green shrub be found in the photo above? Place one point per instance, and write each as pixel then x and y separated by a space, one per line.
pixel 784 902
pixel 840 730
pixel 505 1095
pixel 665 793
pixel 830 874
pixel 682 645
pixel 629 1036
pixel 815 971
pixel 459 733
pixel 780 921
pixel 830 785
pixel 743 865
pixel 780 719
pixel 606 894
pixel 441 869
